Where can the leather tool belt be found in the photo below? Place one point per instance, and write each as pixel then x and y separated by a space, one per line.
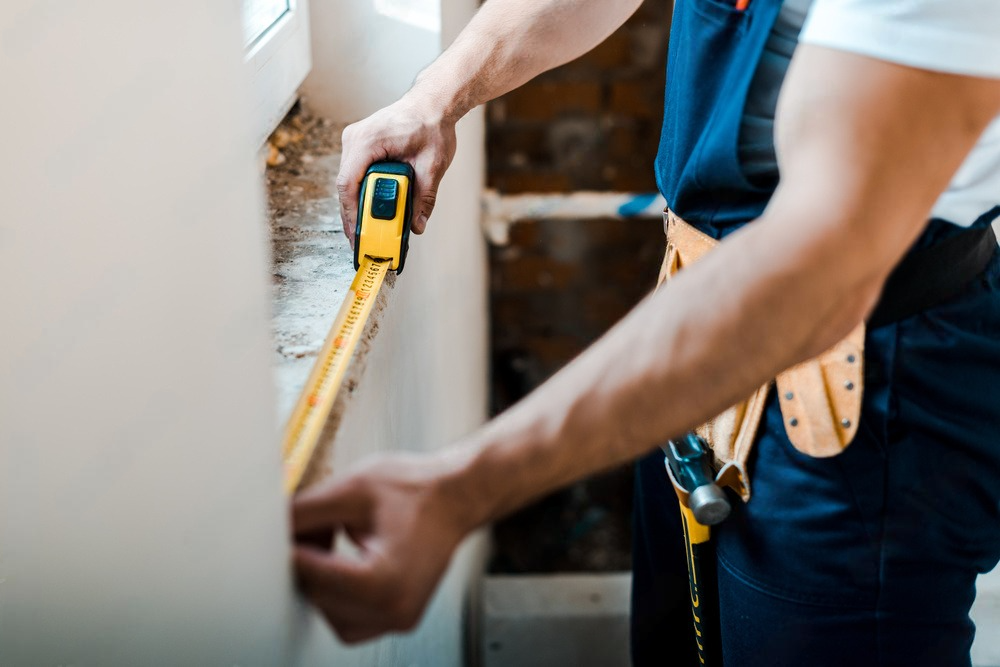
pixel 820 398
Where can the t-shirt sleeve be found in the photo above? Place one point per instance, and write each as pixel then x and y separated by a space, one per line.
pixel 955 36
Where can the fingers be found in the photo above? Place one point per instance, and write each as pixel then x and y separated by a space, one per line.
pixel 339 503
pixel 354 598
pixel 353 622
pixel 324 574
pixel 424 195
pixel 353 163
pixel 321 539
pixel 430 167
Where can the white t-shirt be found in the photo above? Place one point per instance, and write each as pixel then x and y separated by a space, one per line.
pixel 955 36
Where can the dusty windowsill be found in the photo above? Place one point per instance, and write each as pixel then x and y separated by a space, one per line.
pixel 312 263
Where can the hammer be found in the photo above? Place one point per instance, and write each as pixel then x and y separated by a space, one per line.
pixel 688 462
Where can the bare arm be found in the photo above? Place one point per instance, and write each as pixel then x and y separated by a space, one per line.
pixel 865 148
pixel 507 43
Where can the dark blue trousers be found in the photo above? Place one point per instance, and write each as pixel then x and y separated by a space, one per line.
pixel 866 558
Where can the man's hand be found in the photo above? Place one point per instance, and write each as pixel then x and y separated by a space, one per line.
pixel 404 517
pixel 408 131
pixel 507 43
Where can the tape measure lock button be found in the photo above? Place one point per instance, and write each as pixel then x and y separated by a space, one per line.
pixel 385 199
pixel 385 210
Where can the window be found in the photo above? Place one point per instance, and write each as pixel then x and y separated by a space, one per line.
pixel 259 15
pixel 276 38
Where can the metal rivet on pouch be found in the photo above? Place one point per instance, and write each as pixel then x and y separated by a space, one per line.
pixel 793 421
pixel 848 385
pixel 845 422
pixel 851 358
pixel 789 396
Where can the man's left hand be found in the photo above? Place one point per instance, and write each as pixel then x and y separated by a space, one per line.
pixel 401 514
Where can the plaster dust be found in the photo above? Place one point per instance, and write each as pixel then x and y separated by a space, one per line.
pixel 312 266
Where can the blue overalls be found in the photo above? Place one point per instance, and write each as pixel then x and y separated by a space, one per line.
pixel 866 558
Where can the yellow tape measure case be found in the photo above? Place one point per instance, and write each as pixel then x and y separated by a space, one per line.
pixel 385 209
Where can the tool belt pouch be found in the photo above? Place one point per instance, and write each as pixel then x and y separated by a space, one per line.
pixel 820 398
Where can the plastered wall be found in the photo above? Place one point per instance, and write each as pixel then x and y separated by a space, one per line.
pixel 141 514
pixel 365 54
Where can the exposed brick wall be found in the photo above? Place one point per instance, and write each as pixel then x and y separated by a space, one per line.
pixel 559 285
pixel 592 124
pixel 555 288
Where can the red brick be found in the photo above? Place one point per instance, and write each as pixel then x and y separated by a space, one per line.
pixel 637 99
pixel 544 100
pixel 614 52
pixel 531 141
pixel 623 142
pixel 532 272
pixel 655 11
pixel 529 181
pixel 553 351
pixel 638 178
pixel 648 47
pixel 524 234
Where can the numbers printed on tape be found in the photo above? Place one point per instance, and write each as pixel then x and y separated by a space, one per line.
pixel 381 240
pixel 313 408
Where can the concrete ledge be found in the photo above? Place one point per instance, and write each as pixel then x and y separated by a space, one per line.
pixel 548 620
pixel 313 266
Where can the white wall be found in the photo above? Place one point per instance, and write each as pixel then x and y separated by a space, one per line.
pixel 141 516
pixel 364 55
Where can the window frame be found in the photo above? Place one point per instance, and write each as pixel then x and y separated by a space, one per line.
pixel 278 60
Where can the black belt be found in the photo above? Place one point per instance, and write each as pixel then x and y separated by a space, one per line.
pixel 932 275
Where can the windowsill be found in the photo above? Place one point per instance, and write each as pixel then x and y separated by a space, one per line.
pixel 313 266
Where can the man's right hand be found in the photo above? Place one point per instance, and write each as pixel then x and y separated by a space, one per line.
pixel 409 131
pixel 507 43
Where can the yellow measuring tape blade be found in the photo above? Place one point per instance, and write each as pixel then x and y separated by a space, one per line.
pixel 311 412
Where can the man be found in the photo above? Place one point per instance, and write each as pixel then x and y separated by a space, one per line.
pixel 885 147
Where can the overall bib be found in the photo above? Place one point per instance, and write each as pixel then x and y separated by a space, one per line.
pixel 865 558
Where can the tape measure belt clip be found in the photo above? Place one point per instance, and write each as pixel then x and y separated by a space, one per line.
pixel 385 210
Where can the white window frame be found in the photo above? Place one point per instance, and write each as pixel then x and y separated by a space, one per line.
pixel 279 60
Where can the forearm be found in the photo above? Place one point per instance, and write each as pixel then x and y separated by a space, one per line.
pixel 509 42
pixel 857 187
pixel 682 356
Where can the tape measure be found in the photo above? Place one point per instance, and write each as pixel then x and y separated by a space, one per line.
pixel 382 237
